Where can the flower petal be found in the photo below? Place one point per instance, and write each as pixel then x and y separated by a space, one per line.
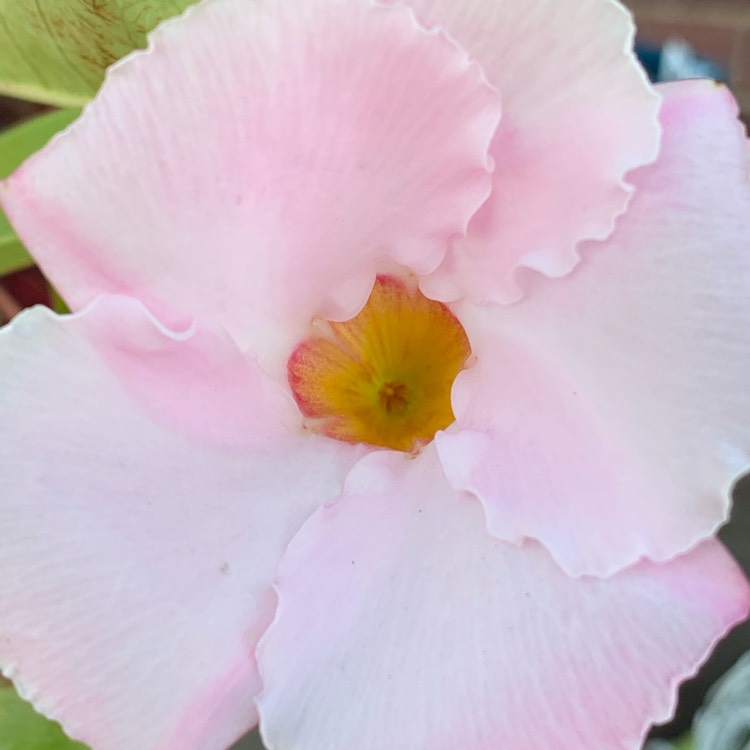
pixel 578 114
pixel 259 162
pixel 139 544
pixel 402 624
pixel 607 415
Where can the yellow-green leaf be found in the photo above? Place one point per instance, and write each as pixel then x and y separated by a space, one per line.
pixel 21 728
pixel 56 51
pixel 16 144
pixel 685 743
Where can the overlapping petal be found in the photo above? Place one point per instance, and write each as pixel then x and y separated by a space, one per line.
pixel 257 164
pixel 142 524
pixel 403 624
pixel 609 416
pixel 578 114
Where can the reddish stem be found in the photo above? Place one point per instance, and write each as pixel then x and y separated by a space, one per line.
pixel 9 308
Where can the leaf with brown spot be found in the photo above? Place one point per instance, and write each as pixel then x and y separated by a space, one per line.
pixel 56 51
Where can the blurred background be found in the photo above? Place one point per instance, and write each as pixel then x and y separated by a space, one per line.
pixel 716 29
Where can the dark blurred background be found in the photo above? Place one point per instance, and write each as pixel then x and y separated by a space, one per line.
pixel 716 29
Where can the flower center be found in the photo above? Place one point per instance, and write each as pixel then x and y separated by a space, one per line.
pixel 385 376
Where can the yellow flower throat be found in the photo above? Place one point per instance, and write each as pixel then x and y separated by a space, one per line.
pixel 385 376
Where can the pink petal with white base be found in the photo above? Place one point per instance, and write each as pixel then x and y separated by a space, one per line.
pixel 138 546
pixel 578 114
pixel 257 164
pixel 402 624
pixel 608 416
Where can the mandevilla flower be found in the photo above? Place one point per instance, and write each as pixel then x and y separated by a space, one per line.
pixel 323 443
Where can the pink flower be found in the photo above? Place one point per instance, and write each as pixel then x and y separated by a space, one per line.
pixel 543 572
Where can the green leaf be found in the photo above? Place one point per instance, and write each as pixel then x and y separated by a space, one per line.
pixel 13 255
pixel 684 743
pixel 21 728
pixel 58 303
pixel 16 144
pixel 56 51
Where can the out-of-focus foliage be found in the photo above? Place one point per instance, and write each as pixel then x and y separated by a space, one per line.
pixel 56 51
pixel 724 721
pixel 21 728
pixel 16 144
pixel 686 743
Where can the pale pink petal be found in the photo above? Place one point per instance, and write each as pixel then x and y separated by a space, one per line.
pixel 139 545
pixel 608 415
pixel 402 624
pixel 578 114
pixel 259 162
